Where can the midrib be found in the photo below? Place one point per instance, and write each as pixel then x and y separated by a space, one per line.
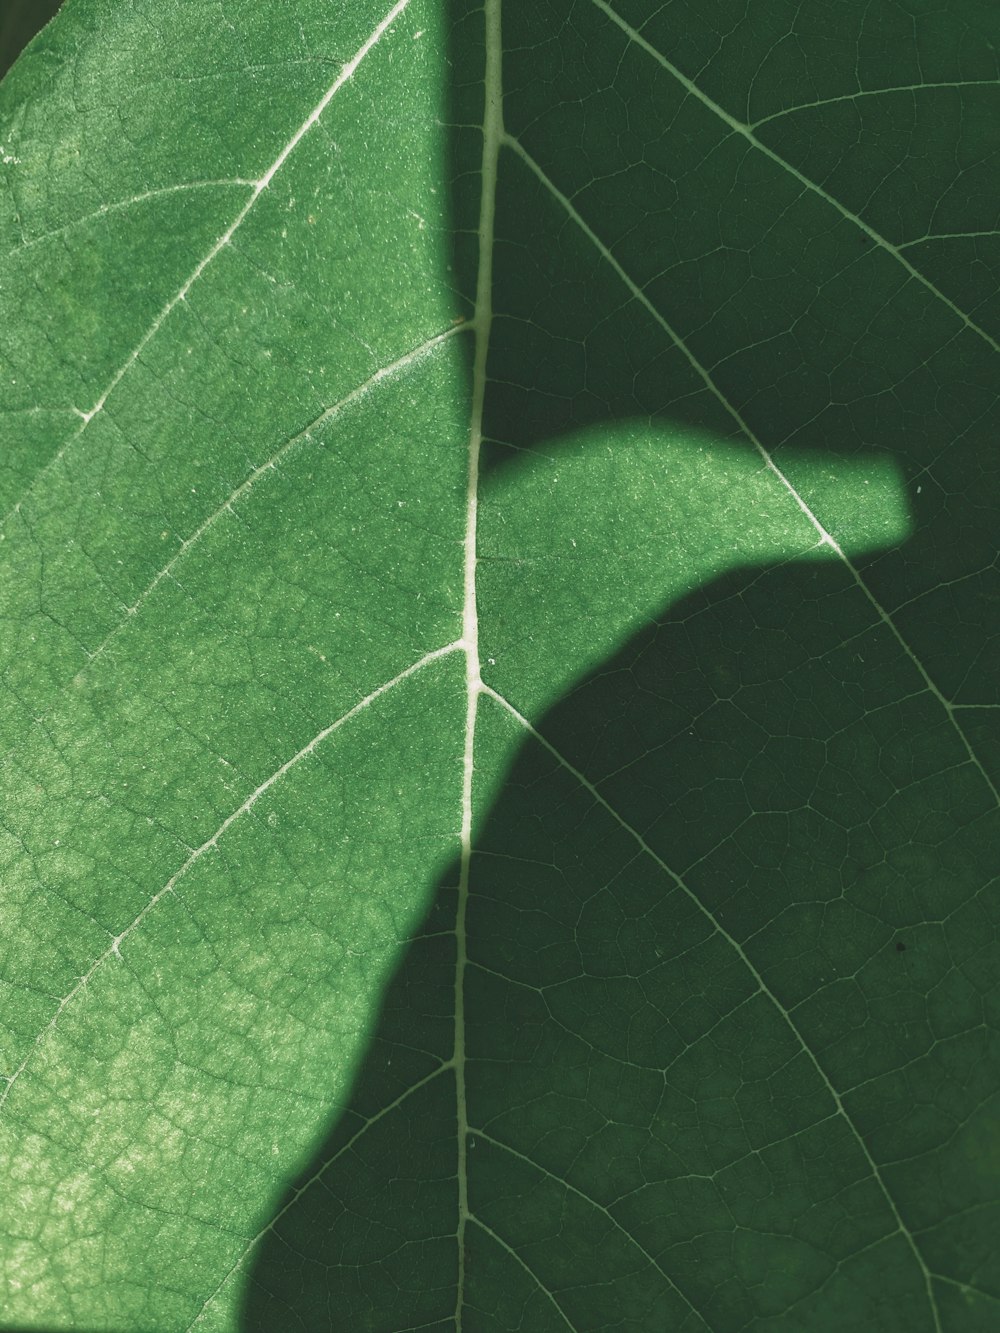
pixel 482 320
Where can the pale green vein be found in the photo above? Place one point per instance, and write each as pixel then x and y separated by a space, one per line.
pixel 123 205
pixel 357 394
pixel 991 232
pixel 36 411
pixel 314 1179
pixel 746 132
pixel 623 1060
pixel 114 948
pixel 361 391
pixel 540 1285
pixel 259 186
pixel 748 963
pixel 873 92
pixel 825 538
pixel 482 323
pixel 966 1287
pixel 599 1207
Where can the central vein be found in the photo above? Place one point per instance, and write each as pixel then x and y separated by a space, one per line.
pixel 482 320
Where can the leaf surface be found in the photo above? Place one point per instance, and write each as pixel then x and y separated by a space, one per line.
pixel 499 754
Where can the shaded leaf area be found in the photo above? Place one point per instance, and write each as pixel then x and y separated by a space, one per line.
pixel 732 930
pixel 669 259
pixel 20 20
pixel 748 748
pixel 656 1031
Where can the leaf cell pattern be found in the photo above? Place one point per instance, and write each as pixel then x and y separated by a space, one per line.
pixel 498 569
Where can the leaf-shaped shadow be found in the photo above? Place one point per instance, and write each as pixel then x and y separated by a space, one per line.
pixel 700 999
pixel 729 979
pixel 724 1066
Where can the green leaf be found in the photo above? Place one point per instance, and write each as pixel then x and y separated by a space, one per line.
pixel 499 751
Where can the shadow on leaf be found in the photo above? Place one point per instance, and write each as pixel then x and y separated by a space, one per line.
pixel 667 976
pixel 715 908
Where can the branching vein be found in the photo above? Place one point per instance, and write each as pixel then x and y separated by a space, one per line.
pixel 598 1207
pixel 825 538
pixel 746 132
pixel 114 948
pixel 313 1180
pixel 259 186
pixel 482 321
pixel 349 400
pixel 748 963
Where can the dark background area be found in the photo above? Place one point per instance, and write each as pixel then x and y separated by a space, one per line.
pixel 19 21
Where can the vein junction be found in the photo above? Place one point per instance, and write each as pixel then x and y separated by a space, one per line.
pixel 114 948
pixel 492 140
pixel 259 186
pixel 825 538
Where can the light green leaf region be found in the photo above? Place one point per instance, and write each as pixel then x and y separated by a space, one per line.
pixel 499 762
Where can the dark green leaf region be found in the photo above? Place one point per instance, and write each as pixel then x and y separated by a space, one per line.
pixel 500 728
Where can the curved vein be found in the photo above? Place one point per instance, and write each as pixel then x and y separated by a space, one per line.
pixel 114 948
pixel 259 186
pixel 361 391
pixel 314 1179
pixel 825 538
pixel 746 132
pixel 747 962
pixel 873 92
pixel 412 358
pixel 120 206
pixel 601 1208
pixel 488 1231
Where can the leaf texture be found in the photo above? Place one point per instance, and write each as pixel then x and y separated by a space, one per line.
pixel 499 751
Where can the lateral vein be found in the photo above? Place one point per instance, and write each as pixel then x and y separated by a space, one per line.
pixel 825 538
pixel 313 1180
pixel 748 963
pixel 600 1208
pixel 349 400
pixel 114 948
pixel 259 186
pixel 746 132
